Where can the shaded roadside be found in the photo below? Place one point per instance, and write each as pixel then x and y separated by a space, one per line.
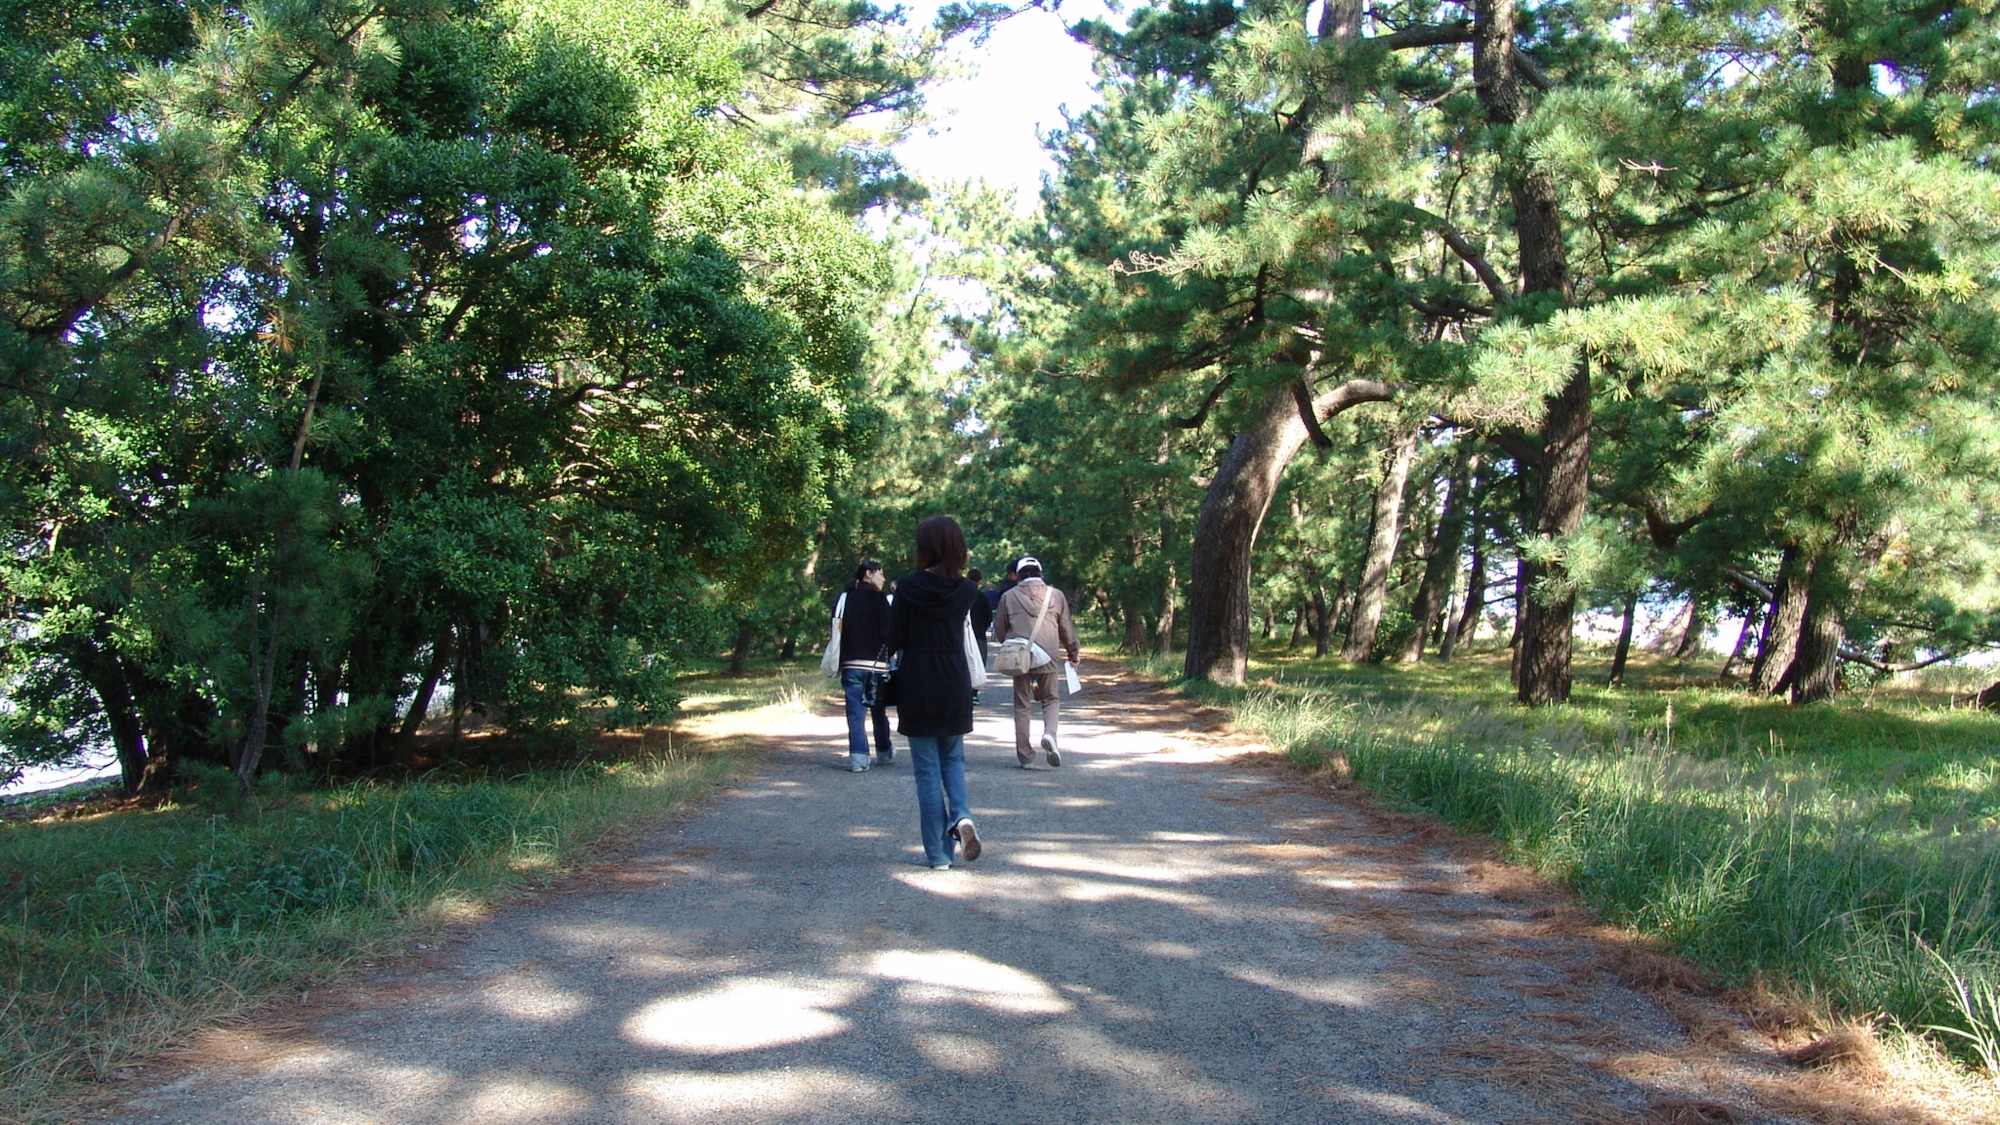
pixel 1168 928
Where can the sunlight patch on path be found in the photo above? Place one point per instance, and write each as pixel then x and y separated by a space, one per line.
pixel 743 1015
pixel 933 977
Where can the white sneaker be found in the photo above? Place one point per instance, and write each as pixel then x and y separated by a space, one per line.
pixel 940 867
pixel 968 839
pixel 1049 749
pixel 857 767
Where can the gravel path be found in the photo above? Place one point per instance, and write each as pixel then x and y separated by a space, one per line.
pixel 1162 930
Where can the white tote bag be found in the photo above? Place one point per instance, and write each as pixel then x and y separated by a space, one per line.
pixel 973 661
pixel 829 660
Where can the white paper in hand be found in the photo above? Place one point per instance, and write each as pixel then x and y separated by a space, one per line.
pixel 1075 681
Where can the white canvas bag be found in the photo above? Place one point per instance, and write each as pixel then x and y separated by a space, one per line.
pixel 829 660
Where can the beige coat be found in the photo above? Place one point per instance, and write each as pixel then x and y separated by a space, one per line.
pixel 1016 615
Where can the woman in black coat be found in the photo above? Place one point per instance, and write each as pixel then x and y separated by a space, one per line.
pixel 934 686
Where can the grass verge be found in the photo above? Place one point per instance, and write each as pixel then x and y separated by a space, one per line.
pixel 1853 863
pixel 121 931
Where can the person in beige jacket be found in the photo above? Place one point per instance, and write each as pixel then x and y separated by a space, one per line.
pixel 1013 617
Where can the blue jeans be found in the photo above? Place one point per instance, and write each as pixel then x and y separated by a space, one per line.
pixel 860 704
pixel 939 767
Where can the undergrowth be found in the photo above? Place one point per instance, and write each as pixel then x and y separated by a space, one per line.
pixel 120 931
pixel 1854 862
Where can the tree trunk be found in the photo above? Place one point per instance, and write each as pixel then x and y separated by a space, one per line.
pixel 1385 531
pixel 1697 628
pixel 1441 562
pixel 421 705
pixel 1781 626
pixel 1231 516
pixel 1163 629
pixel 1624 649
pixel 1815 672
pixel 1550 609
pixel 1322 621
pixel 1134 641
pixel 1742 643
pixel 1475 601
pixel 106 675
pixel 739 653
pixel 1664 640
pixel 252 753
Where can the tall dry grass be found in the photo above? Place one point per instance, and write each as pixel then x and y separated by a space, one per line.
pixel 1858 889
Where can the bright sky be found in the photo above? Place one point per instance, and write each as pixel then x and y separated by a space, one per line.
pixel 986 124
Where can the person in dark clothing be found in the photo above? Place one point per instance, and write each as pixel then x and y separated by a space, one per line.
pixel 994 595
pixel 934 687
pixel 864 631
pixel 982 614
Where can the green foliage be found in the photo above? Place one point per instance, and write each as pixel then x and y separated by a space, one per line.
pixel 373 348
pixel 123 929
pixel 1850 854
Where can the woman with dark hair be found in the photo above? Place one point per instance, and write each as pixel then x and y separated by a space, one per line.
pixel 934 686
pixel 864 631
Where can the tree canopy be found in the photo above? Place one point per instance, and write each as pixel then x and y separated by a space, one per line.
pixel 353 352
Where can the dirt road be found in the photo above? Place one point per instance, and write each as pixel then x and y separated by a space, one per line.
pixel 1162 930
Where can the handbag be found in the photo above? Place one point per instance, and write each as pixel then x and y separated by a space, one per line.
pixel 974 662
pixel 1017 656
pixel 888 685
pixel 829 660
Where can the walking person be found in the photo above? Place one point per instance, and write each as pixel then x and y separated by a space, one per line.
pixel 1038 611
pixel 982 612
pixel 864 636
pixel 934 687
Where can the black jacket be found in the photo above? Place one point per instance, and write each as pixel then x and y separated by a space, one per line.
pixel 864 628
pixel 934 682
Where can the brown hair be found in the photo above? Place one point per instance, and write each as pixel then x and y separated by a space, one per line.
pixel 941 547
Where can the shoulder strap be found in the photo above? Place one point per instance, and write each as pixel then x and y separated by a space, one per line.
pixel 840 607
pixel 1049 595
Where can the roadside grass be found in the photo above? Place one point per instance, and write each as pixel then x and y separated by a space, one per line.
pixel 1846 855
pixel 122 930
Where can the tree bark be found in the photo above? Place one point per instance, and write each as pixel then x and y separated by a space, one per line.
pixel 1624 650
pixel 1231 516
pixel 1385 532
pixel 1781 626
pixel 1322 629
pixel 1550 609
pixel 420 705
pixel 1697 627
pixel 1475 600
pixel 1441 561
pixel 1815 672
pixel 1134 641
pixel 1163 629
pixel 739 653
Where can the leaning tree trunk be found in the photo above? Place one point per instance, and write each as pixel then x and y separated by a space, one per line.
pixel 1441 564
pixel 1624 650
pixel 1781 626
pixel 1231 516
pixel 1697 627
pixel 1475 600
pixel 1386 531
pixel 1742 643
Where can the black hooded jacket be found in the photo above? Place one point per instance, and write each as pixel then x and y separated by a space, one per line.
pixel 934 681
